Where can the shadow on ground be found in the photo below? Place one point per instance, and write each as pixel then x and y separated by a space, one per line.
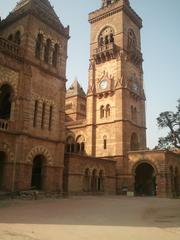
pixel 94 211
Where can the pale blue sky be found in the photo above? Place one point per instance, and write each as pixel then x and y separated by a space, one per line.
pixel 160 47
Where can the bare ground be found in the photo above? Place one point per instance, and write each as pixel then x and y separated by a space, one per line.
pixel 97 218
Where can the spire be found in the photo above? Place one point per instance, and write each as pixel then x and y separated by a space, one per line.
pixel 75 90
pixel 41 9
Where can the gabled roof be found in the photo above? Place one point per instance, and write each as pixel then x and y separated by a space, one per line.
pixel 75 90
pixel 42 9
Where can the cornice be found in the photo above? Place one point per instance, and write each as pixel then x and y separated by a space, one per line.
pixel 113 9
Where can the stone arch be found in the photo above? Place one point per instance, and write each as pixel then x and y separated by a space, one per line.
pixel 103 28
pixel 11 83
pixel 39 150
pixel 136 164
pixel 145 178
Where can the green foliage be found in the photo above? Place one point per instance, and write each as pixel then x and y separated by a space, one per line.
pixel 171 121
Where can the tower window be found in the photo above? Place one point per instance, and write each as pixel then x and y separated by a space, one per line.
pixel 102 112
pixel 47 51
pixel 108 111
pixel 35 113
pixel 39 46
pixel 105 142
pixel 17 38
pixel 131 40
pixel 106 36
pixel 50 117
pixel 43 115
pixel 134 142
pixel 55 55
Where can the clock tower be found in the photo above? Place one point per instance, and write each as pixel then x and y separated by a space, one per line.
pixel 115 100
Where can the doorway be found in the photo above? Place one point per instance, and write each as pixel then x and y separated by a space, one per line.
pixel 145 180
pixel 37 172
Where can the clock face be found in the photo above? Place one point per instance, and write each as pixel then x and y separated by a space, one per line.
pixel 103 84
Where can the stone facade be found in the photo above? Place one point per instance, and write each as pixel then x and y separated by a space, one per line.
pixel 114 121
pixel 102 132
pixel 33 53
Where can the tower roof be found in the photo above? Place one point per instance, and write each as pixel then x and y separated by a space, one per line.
pixel 75 90
pixel 41 9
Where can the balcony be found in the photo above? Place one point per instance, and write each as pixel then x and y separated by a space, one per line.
pixel 10 48
pixel 104 53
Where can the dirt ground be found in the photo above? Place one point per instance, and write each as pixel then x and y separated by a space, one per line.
pixel 97 218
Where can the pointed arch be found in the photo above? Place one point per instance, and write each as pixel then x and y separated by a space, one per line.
pixel 39 150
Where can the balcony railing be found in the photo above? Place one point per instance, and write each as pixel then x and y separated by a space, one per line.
pixel 11 48
pixel 104 53
pixel 104 48
pixel 4 124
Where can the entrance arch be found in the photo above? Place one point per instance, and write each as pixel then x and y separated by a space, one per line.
pixel 145 180
pixel 37 172
pixel 2 164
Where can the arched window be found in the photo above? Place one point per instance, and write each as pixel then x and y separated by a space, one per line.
pixel 50 117
pixel 135 114
pixel 108 111
pixel 47 51
pixel 55 55
pixel 102 112
pixel 35 113
pixel 70 143
pixel 39 46
pixel 111 37
pixel 80 144
pixel 10 37
pixel 132 113
pixel 5 101
pixel 105 142
pixel 131 40
pixel 17 38
pixel 134 142
pixel 43 115
pixel 106 36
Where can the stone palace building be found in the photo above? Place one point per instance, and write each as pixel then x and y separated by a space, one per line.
pixel 70 141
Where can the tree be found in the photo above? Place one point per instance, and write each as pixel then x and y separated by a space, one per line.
pixel 170 120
